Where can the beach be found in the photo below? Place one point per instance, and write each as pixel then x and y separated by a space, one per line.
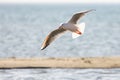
pixel 96 62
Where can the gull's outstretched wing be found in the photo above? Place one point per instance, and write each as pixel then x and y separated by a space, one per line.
pixel 77 16
pixel 52 36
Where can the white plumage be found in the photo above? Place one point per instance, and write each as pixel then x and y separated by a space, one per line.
pixel 71 25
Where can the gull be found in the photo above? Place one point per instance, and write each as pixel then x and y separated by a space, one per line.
pixel 71 25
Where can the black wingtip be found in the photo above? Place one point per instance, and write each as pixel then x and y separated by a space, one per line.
pixel 90 10
pixel 42 48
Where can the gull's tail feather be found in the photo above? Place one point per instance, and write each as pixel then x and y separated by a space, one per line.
pixel 81 28
pixel 75 35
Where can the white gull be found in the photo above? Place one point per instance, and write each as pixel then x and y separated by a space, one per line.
pixel 71 25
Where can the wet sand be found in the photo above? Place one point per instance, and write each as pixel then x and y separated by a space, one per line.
pixel 91 62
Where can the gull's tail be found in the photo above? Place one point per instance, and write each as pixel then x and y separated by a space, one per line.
pixel 81 28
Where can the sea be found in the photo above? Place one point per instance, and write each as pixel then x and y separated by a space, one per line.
pixel 23 28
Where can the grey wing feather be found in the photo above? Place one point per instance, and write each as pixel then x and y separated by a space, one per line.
pixel 77 16
pixel 51 37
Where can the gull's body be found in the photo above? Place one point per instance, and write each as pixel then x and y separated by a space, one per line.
pixel 71 25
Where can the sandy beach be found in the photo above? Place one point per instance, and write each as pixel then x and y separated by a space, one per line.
pixel 92 62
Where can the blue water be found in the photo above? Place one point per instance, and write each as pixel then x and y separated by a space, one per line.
pixel 60 74
pixel 23 28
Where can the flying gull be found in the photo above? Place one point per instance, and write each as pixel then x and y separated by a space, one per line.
pixel 71 25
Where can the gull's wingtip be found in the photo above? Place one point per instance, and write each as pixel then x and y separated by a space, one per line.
pixel 43 47
pixel 90 10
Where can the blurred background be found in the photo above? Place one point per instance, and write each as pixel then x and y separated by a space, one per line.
pixel 23 28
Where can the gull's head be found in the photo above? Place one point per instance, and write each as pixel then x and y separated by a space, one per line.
pixel 62 24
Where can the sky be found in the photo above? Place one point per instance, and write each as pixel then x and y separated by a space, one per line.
pixel 59 1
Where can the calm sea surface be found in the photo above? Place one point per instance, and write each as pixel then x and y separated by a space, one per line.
pixel 24 27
